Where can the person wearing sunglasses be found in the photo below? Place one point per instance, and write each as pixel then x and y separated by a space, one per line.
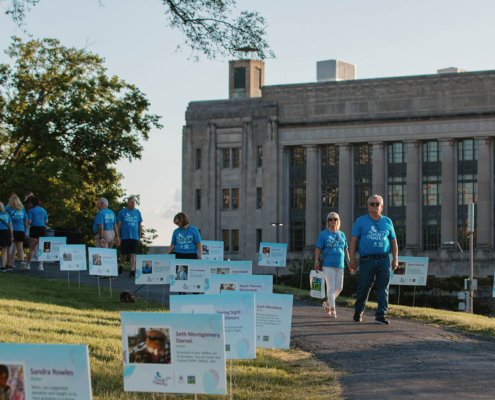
pixel 155 350
pixel 332 246
pixel 373 235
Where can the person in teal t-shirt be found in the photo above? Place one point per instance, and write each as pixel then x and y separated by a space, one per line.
pixel 129 222
pixel 6 235
pixel 19 223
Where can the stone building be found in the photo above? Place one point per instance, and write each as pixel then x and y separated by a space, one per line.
pixel 271 162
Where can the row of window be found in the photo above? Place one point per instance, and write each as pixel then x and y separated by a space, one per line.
pixel 231 158
pixel 230 199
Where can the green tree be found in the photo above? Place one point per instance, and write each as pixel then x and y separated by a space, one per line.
pixel 63 125
pixel 209 26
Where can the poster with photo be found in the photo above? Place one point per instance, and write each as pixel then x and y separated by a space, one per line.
pixel 412 271
pixel 240 283
pixel 154 269
pixel 229 267
pixel 45 371
pixel 49 248
pixel 273 320
pixel 174 353
pixel 102 262
pixel 73 257
pixel 239 319
pixel 273 255
pixel 212 250
pixel 188 276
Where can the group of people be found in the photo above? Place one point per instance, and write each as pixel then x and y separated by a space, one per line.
pixel 16 225
pixel 373 236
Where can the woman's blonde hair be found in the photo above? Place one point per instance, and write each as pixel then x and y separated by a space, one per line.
pixel 2 209
pixel 334 215
pixel 15 203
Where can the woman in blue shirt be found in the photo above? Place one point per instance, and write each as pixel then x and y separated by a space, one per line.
pixel 332 245
pixel 6 235
pixel 37 219
pixel 186 240
pixel 19 222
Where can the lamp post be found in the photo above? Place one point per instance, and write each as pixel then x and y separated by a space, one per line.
pixel 276 225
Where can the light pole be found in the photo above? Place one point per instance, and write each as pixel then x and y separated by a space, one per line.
pixel 276 225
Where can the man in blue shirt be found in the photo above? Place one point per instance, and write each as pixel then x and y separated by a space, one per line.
pixel 373 235
pixel 129 224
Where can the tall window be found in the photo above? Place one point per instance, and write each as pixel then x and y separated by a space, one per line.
pixel 432 195
pixel 226 158
pixel 226 240
pixel 330 193
pixel 397 190
pixel 198 158
pixel 329 181
pixel 235 158
pixel 226 199
pixel 235 239
pixel 259 197
pixel 259 162
pixel 397 153
pixel 298 194
pixel 198 199
pixel 297 204
pixel 235 199
pixel 297 235
pixel 298 157
pixel 239 82
pixel 259 239
pixel 362 178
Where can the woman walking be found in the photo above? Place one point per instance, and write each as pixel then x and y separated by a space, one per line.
pixel 37 220
pixel 19 222
pixel 6 235
pixel 333 248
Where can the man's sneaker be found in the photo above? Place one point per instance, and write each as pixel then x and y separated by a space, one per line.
pixel 3 269
pixel 132 274
pixel 23 266
pixel 382 321
pixel 10 267
pixel 121 269
pixel 357 317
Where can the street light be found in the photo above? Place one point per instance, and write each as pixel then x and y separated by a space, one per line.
pixel 277 224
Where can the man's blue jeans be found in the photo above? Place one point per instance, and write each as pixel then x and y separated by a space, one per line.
pixel 368 270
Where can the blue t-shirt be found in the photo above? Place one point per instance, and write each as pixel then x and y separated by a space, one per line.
pixel 130 220
pixel 5 217
pixel 185 239
pixel 106 218
pixel 335 256
pixel 37 215
pixel 18 218
pixel 374 236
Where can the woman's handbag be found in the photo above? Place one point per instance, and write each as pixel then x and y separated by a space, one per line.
pixel 317 285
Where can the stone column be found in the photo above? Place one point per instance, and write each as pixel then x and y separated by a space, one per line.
pixel 485 194
pixel 413 205
pixel 313 207
pixel 449 192
pixel 379 185
pixel 346 185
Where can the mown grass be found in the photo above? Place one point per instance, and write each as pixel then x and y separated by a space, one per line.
pixel 460 321
pixel 35 310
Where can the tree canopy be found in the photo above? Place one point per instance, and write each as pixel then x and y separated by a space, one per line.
pixel 63 125
pixel 210 27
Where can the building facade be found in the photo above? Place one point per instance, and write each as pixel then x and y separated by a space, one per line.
pixel 271 168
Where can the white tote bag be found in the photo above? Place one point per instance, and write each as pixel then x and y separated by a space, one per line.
pixel 317 284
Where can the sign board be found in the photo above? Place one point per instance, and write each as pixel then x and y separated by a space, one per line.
pixel 102 262
pixel 273 255
pixel 229 267
pixel 173 353
pixel 212 250
pixel 412 271
pixel 239 319
pixel 155 269
pixel 73 257
pixel 273 320
pixel 470 224
pixel 49 248
pixel 46 371
pixel 240 283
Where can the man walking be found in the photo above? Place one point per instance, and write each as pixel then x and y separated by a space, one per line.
pixel 105 227
pixel 374 236
pixel 129 224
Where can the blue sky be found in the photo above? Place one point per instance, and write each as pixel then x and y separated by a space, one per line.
pixel 383 38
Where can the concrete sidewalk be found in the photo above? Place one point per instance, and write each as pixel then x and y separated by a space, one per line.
pixel 405 360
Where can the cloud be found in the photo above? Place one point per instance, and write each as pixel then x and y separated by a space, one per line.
pixel 171 210
pixel 178 195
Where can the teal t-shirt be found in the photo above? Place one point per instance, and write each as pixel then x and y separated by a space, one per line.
pixel 374 236
pixel 335 256
pixel 18 218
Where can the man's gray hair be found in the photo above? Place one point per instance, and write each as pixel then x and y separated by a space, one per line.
pixel 104 201
pixel 131 198
pixel 376 196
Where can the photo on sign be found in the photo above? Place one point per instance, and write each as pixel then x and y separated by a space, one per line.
pixel 401 270
pixel 206 250
pixel 147 267
pixel 149 345
pixel 181 272
pixel 220 271
pixel 12 384
pixel 47 247
pixel 227 286
pixel 96 259
pixel 67 257
pixel 266 252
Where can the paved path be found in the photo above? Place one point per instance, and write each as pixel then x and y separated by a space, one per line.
pixel 405 360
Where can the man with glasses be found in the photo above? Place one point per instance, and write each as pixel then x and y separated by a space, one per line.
pixel 373 235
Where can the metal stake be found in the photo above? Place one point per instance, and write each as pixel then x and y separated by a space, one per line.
pixel 414 297
pixel 99 292
pixel 398 298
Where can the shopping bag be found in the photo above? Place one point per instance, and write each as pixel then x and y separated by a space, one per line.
pixel 317 284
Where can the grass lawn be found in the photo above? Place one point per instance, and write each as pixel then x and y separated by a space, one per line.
pixel 35 310
pixel 460 321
